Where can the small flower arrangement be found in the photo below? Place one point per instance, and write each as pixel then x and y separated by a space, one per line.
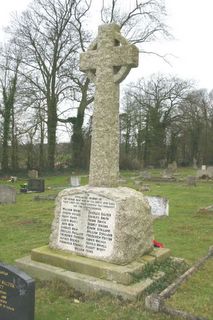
pixel 157 244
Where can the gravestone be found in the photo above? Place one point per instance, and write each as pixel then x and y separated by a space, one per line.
pixel 210 172
pixel 7 194
pixel 202 173
pixel 191 181
pixel 203 167
pixel 75 181
pixel 17 294
pixel 37 185
pixel 33 174
pixel 168 174
pixel 172 166
pixel 159 206
pixel 146 175
pixel 205 172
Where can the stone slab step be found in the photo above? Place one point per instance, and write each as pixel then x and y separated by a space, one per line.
pixel 96 268
pixel 85 283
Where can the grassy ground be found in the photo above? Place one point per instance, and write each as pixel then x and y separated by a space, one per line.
pixel 186 232
pixel 187 297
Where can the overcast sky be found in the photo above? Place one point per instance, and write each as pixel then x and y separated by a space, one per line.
pixel 191 24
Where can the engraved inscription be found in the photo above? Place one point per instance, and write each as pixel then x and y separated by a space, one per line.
pixel 17 294
pixel 86 224
pixel 4 295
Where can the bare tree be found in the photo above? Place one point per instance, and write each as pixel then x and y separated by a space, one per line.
pixel 196 127
pixel 155 108
pixel 48 36
pixel 9 84
pixel 143 22
pixel 51 34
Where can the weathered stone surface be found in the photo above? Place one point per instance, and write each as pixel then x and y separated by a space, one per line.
pixel 172 166
pixel 84 283
pixel 202 174
pixel 159 206
pixel 85 265
pixel 161 254
pixel 7 194
pixel 205 172
pixel 210 171
pixel 168 173
pixel 107 62
pixel 100 269
pixel 33 174
pixel 110 224
pixel 75 181
pixel 154 302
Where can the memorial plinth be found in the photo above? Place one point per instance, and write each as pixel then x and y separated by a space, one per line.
pixel 110 224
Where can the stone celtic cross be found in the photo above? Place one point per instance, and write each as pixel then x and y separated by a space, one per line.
pixel 107 62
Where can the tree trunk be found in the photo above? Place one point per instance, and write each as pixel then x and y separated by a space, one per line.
pixel 8 98
pixel 51 130
pixel 77 138
pixel 14 145
pixel 41 148
pixel 6 129
pixel 77 141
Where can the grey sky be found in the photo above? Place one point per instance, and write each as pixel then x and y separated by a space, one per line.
pixel 191 24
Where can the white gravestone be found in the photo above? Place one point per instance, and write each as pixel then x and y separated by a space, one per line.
pixel 75 181
pixel 159 206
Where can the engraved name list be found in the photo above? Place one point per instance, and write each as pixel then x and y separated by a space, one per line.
pixel 86 224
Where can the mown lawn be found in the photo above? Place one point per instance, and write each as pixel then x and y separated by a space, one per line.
pixel 200 284
pixel 188 233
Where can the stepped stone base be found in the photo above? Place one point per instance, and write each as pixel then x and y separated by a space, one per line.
pixel 89 275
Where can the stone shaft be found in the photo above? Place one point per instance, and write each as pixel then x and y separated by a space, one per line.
pixel 104 160
pixel 107 62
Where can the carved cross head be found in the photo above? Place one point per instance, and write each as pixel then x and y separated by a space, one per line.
pixel 110 55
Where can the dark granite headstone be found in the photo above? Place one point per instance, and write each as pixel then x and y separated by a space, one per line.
pixel 36 185
pixel 17 294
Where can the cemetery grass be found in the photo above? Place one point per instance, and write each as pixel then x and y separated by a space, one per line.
pixel 186 297
pixel 187 232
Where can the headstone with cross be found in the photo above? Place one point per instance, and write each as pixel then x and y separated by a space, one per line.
pixel 107 62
